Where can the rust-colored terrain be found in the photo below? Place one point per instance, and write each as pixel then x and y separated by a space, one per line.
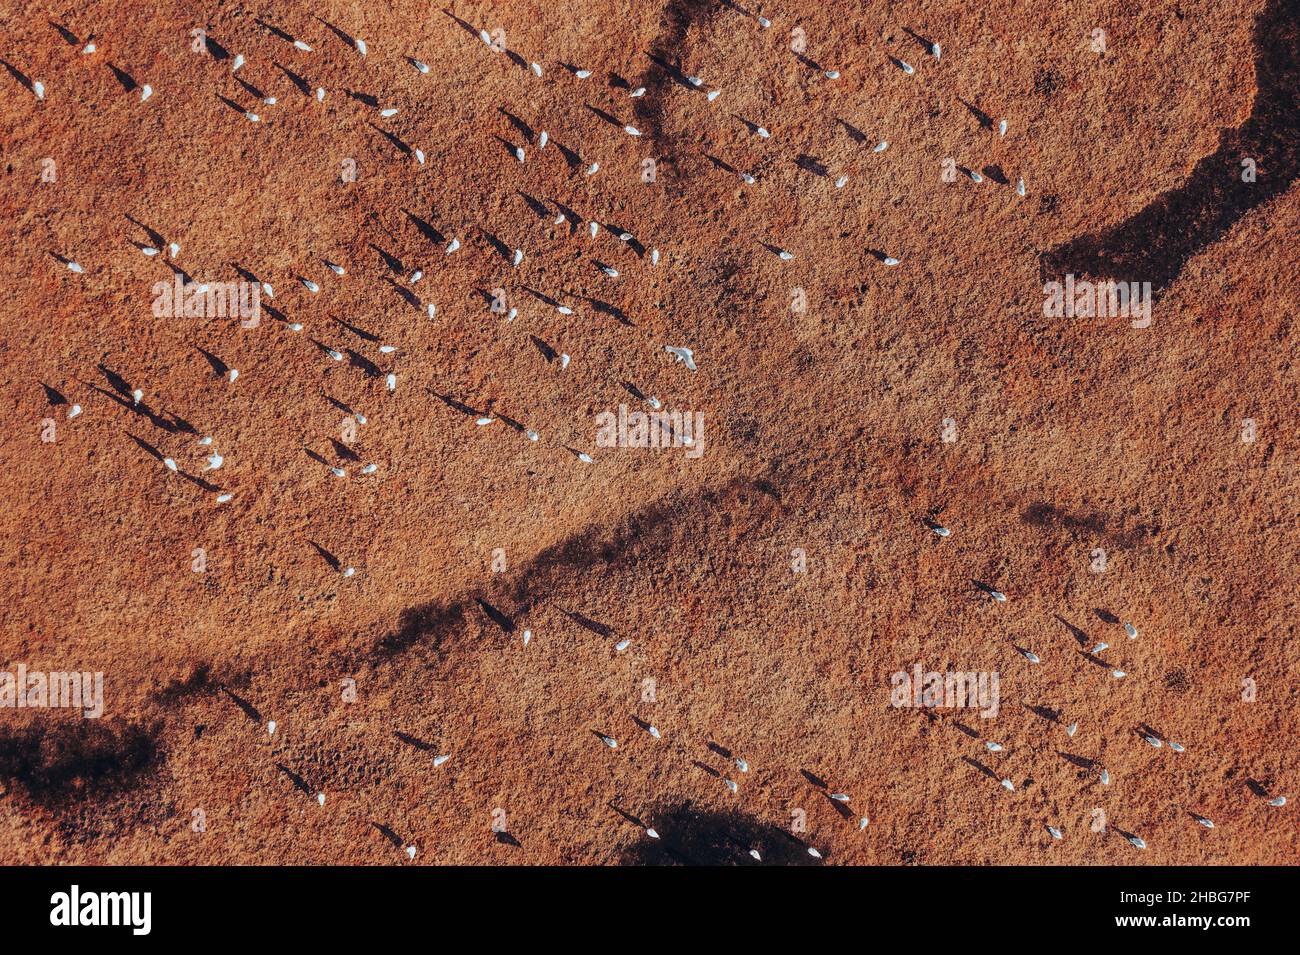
pixel 749 597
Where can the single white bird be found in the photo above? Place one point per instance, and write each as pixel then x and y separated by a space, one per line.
pixel 684 355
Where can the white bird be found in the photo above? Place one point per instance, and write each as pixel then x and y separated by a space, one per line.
pixel 1278 801
pixel 974 176
pixel 881 146
pixel 302 46
pixel 1020 188
pixel 840 797
pixel 519 153
pixel 742 765
pixel 1071 729
pixel 839 183
pixel 338 472
pixel 622 645
pixel 1118 674
pixel 74 411
pixel 998 595
pixel 654 731
pixel 75 267
pixel 731 785
pixel 863 823
pixel 1205 822
pixel 422 67
pixel 453 246
pixel 270 728
pixel 543 139
pixel 592 169
pixel 361 46
pixel 252 117
pixel 631 130
pixel 905 67
pixel 814 853
pixel 1105 777
pixel 582 74
pixel 320 798
pixel 237 62
pixel 684 355
pixel 652 834
pixel 1002 128
pixel 1131 631
pixel 370 469
pixel 1030 656
pixel 311 286
pixel 392 381
pixel 1009 785
pixel 941 531
pixel 39 89
pixel 608 741
pixel 410 852
pixel 170 464
pixel 1056 833
pixel 584 457
pixel 993 747
pixel 889 260
pixel 223 498
pixel 215 462
pixel 1099 647
pixel 528 635
pixel 1137 841
pixel 537 68
pixel 145 92
pixel 762 133
pixel 439 760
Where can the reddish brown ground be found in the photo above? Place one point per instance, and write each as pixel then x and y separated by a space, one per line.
pixel 822 433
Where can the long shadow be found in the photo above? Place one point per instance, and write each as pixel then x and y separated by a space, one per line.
pixel 1156 243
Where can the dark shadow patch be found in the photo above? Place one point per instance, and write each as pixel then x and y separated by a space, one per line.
pixel 55 764
pixel 1155 244
pixel 695 837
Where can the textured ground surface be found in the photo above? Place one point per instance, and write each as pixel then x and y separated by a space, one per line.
pixel 824 433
